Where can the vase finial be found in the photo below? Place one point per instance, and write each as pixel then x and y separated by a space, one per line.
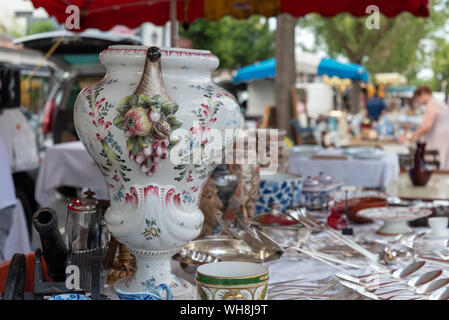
pixel 154 54
pixel 151 82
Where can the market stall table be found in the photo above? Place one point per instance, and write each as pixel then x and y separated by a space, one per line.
pixel 351 171
pixel 293 266
pixel 18 240
pixel 436 189
pixel 68 164
pixel 386 145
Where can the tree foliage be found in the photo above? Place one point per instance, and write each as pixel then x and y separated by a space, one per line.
pixel 440 64
pixel 235 42
pixel 41 26
pixel 396 47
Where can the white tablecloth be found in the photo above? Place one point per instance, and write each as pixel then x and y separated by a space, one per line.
pixel 291 266
pixel 370 173
pixel 68 164
pixel 18 240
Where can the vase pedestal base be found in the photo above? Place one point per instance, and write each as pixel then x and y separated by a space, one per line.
pixel 153 280
pixel 188 294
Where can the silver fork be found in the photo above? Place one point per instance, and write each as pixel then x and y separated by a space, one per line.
pixel 304 218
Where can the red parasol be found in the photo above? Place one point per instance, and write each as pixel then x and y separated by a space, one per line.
pixel 105 14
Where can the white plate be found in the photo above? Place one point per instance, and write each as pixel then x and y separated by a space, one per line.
pixel 394 218
pixel 431 236
pixel 394 213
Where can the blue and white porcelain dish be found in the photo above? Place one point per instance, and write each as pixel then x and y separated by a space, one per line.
pixel 365 152
pixel 69 296
pixel 305 150
pixel 281 188
pixel 152 292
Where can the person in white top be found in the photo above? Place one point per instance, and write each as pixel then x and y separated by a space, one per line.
pixel 434 130
pixel 7 198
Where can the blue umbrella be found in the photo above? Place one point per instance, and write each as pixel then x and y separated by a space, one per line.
pixel 326 66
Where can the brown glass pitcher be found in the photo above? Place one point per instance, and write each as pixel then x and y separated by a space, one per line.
pixel 419 174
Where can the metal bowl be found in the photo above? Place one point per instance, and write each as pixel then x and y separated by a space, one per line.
pixel 225 249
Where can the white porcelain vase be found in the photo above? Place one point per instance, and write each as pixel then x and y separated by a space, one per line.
pixel 146 125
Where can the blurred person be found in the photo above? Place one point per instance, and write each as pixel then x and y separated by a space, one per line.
pixel 363 98
pixel 7 199
pixel 375 106
pixel 434 130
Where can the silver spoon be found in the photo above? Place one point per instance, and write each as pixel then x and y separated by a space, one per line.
pixel 433 286
pixel 440 294
pixel 414 283
pixel 399 273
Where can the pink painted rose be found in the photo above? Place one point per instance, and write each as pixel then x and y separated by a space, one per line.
pixel 136 122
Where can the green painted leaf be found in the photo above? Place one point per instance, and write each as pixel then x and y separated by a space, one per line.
pixel 177 125
pixel 130 144
pixel 148 162
pixel 137 148
pixel 174 123
pixel 157 99
pixel 144 100
pixel 172 143
pixel 166 108
pixel 124 105
pixel 141 142
pixel 174 108
pixel 119 122
pixel 132 101
pixel 147 139
pixel 171 120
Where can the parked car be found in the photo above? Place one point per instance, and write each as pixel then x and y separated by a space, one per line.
pixel 77 59
pixel 77 65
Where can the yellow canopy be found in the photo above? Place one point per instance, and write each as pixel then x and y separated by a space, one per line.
pixel 392 78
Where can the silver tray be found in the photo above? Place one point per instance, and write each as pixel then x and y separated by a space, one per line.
pixel 226 249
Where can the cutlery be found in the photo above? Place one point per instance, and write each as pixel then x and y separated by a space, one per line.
pixel 440 294
pixel 326 257
pixel 321 281
pixel 415 283
pixel 270 242
pixel 319 259
pixel 246 235
pixel 373 284
pixel 359 289
pixel 308 221
pixel 433 286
